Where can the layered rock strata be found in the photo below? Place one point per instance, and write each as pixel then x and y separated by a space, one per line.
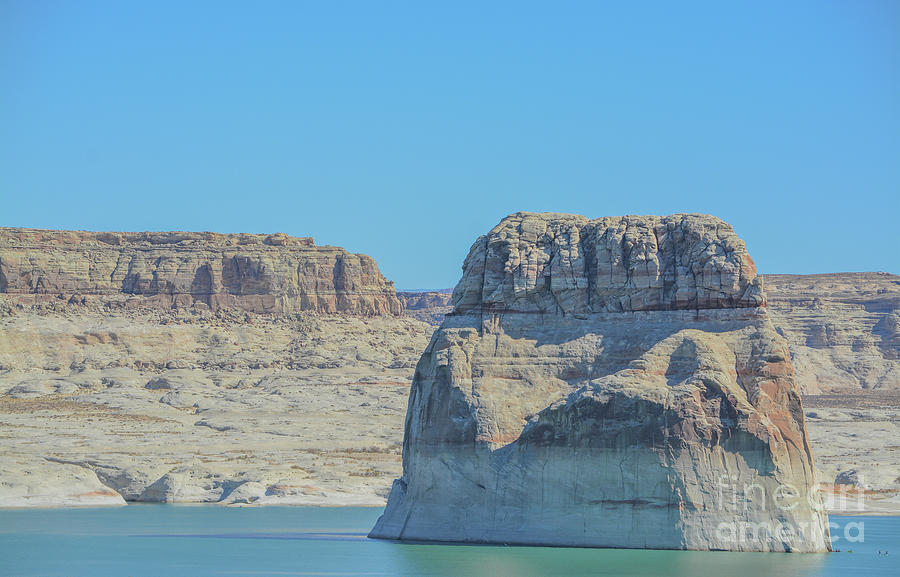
pixel 612 383
pixel 257 273
pixel 426 306
pixel 197 367
pixel 190 405
pixel 843 329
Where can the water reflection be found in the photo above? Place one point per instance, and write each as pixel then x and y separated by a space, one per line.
pixel 499 561
pixel 292 536
pixel 195 541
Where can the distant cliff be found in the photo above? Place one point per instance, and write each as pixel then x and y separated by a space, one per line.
pixel 253 272
pixel 430 306
pixel 427 306
pixel 843 328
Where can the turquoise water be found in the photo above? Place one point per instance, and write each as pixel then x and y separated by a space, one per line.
pixel 173 540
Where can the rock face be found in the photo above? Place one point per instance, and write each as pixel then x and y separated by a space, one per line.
pixel 843 329
pixel 191 367
pixel 187 405
pixel 52 484
pixel 257 273
pixel 612 383
pixel 427 306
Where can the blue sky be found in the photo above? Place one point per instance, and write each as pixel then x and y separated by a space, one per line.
pixel 406 129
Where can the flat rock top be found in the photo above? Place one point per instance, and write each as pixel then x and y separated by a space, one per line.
pixel 29 237
pixel 569 264
pixel 273 273
pixel 848 286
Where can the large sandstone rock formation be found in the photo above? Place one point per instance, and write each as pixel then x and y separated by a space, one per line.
pixel 257 273
pixel 612 382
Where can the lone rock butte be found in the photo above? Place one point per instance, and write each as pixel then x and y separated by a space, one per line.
pixel 608 383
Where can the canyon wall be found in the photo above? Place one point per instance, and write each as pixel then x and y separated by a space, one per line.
pixel 197 367
pixel 427 306
pixel 273 273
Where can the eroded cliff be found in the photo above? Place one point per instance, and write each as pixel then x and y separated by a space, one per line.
pixel 257 273
pixel 843 329
pixel 197 367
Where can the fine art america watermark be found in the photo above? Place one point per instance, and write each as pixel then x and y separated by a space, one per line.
pixel 785 498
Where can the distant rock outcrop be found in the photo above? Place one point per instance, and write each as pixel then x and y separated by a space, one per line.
pixel 426 306
pixel 612 383
pixel 253 272
pixel 843 328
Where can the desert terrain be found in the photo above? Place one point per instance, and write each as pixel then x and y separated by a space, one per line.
pixel 250 369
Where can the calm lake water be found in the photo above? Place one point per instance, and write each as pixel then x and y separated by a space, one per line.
pixel 176 540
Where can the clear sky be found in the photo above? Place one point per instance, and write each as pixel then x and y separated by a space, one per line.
pixel 406 129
